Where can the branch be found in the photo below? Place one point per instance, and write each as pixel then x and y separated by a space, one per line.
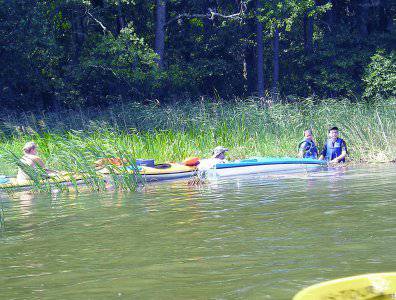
pixel 326 24
pixel 211 14
pixel 104 28
pixel 188 16
pixel 370 3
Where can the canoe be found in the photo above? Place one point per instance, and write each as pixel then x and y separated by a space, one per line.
pixel 378 286
pixel 267 165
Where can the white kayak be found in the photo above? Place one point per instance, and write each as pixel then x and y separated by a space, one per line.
pixel 268 165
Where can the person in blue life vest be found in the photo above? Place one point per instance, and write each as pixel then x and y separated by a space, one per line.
pixel 335 149
pixel 307 148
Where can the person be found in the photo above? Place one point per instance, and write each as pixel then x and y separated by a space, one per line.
pixel 307 148
pixel 218 157
pixel 32 161
pixel 335 149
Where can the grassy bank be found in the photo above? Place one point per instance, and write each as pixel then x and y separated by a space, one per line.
pixel 73 140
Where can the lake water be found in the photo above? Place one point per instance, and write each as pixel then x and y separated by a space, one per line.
pixel 260 237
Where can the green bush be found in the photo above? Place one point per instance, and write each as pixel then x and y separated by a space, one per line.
pixel 380 77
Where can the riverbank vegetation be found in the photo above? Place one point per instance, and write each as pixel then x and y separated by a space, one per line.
pixel 73 140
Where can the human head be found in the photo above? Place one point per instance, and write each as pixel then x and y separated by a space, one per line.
pixel 219 152
pixel 30 148
pixel 308 134
pixel 333 132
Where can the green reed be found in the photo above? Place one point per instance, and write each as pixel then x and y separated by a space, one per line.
pixel 72 142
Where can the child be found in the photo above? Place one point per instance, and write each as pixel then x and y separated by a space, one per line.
pixel 335 149
pixel 307 148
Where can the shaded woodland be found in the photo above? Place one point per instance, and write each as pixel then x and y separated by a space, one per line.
pixel 79 53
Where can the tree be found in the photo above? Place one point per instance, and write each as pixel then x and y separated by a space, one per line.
pixel 160 31
pixel 260 53
pixel 380 77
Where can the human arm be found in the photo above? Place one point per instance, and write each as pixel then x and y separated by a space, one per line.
pixel 339 158
pixel 323 153
pixel 301 149
pixel 38 161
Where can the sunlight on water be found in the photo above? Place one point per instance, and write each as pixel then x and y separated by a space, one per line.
pixel 260 237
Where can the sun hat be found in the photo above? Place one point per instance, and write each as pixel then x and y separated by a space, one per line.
pixel 29 146
pixel 219 150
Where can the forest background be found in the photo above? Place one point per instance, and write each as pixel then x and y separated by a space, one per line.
pixel 79 53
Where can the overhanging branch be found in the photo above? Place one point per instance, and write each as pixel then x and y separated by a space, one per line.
pixel 104 28
pixel 211 14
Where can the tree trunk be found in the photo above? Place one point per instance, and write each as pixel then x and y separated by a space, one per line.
pixel 260 55
pixel 308 33
pixel 276 64
pixel 331 15
pixel 389 23
pixel 386 16
pixel 78 37
pixel 250 70
pixel 363 17
pixel 160 31
pixel 120 18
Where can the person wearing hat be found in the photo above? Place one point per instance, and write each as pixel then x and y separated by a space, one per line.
pixel 335 149
pixel 219 154
pixel 218 157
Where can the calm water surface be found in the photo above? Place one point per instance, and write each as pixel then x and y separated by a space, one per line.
pixel 243 238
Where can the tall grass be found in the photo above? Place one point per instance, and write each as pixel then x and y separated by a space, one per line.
pixel 72 141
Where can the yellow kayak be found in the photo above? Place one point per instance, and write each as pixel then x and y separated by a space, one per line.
pixel 159 172
pixel 377 286
pixel 64 179
pixel 156 173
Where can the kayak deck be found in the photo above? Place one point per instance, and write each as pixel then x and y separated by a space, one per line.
pixel 362 287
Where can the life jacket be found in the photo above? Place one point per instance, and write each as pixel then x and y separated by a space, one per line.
pixel 334 150
pixel 310 149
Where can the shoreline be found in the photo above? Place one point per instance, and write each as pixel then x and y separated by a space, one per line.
pixel 174 132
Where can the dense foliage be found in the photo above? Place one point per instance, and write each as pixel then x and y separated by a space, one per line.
pixel 76 53
pixel 380 77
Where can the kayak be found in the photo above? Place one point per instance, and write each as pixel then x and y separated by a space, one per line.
pixel 63 180
pixel 265 165
pixel 240 167
pixel 143 173
pixel 160 172
pixel 378 286
pixel 171 171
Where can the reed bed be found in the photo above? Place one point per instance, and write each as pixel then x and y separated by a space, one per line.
pixel 72 141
